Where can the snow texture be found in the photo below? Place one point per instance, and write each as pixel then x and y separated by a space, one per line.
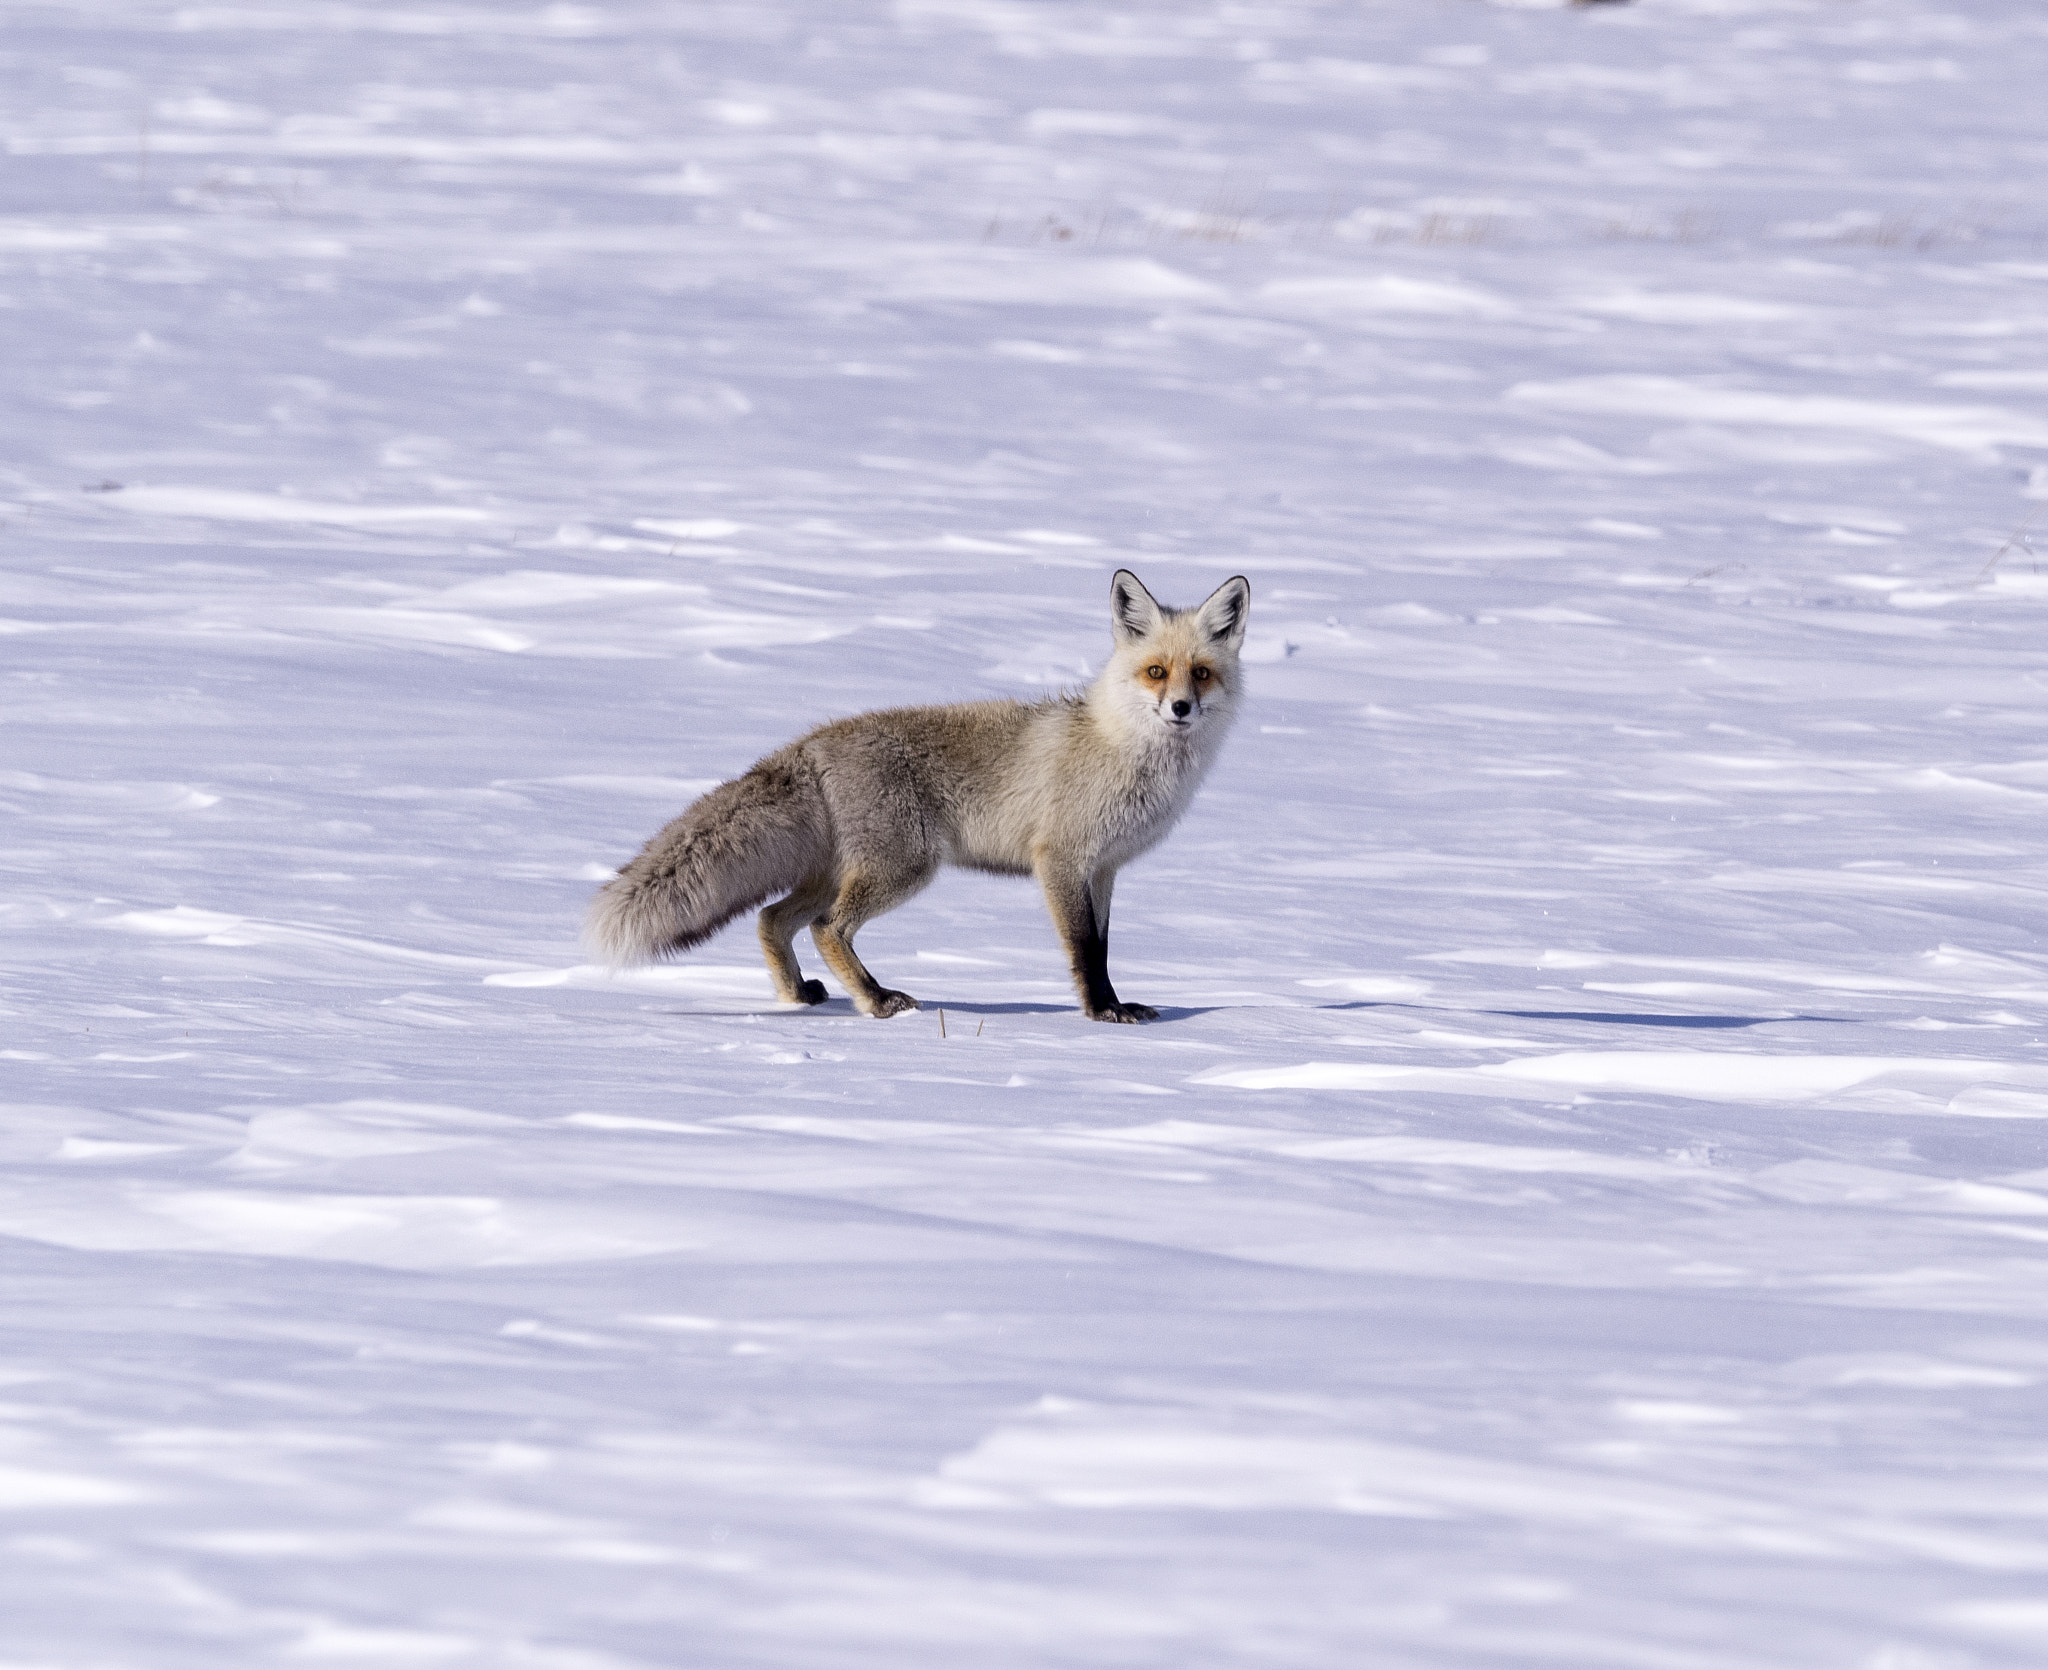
pixel 1585 1202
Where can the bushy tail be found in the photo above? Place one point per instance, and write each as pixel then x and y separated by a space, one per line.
pixel 748 839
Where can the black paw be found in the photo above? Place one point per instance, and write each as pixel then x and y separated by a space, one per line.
pixel 811 991
pixel 1126 1013
pixel 892 1003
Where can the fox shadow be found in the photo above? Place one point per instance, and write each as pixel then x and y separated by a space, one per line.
pixel 1166 1012
pixel 930 1007
pixel 1604 1017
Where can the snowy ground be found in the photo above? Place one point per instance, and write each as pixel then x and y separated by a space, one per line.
pixel 1584 1203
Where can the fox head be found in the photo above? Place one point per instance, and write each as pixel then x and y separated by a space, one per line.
pixel 1174 672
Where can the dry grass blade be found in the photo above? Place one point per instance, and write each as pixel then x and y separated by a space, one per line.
pixel 2018 537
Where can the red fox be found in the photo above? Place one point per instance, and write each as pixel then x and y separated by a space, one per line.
pixel 856 817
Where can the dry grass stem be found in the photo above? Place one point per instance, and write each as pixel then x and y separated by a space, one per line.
pixel 2018 537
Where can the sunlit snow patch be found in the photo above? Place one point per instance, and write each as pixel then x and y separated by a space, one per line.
pixel 399 1232
pixel 1675 307
pixel 1165 1462
pixel 2000 1101
pixel 658 788
pixel 27 1487
pixel 1382 293
pixel 1383 988
pixel 1390 1150
pixel 529 588
pixel 283 1137
pixel 45 240
pixel 418 626
pixel 703 527
pixel 224 505
pixel 1047 281
pixel 1922 1374
pixel 163 797
pixel 1973 429
pixel 212 927
pixel 1696 1075
pixel 678 979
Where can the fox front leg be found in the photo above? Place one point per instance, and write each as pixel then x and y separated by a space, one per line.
pixel 1083 923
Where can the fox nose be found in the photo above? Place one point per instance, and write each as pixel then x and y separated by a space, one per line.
pixel 1182 709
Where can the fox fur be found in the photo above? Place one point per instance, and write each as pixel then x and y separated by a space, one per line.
pixel 859 815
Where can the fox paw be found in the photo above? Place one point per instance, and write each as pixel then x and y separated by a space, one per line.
pixel 1124 1012
pixel 891 1003
pixel 811 991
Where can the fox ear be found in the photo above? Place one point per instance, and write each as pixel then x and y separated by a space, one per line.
pixel 1222 617
pixel 1132 613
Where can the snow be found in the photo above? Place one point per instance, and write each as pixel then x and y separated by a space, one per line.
pixel 1583 1201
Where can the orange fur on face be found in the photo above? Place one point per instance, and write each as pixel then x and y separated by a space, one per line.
pixel 1169 678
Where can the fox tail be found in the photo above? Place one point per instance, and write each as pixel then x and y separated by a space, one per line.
pixel 758 835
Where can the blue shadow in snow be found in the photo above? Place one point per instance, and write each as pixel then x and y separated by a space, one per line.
pixel 1703 1023
pixel 1601 1017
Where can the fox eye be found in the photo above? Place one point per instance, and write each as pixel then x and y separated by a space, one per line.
pixel 1201 675
pixel 1155 672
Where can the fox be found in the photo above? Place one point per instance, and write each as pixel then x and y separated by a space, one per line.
pixel 857 816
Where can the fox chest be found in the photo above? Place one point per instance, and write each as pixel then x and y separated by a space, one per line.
pixel 1101 812
pixel 1138 813
pixel 1143 821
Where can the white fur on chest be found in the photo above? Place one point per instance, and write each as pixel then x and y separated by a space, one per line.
pixel 1155 781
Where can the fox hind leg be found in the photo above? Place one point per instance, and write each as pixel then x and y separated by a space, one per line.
pixel 865 892
pixel 779 925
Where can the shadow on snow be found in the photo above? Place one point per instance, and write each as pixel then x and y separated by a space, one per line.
pixel 1602 1017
